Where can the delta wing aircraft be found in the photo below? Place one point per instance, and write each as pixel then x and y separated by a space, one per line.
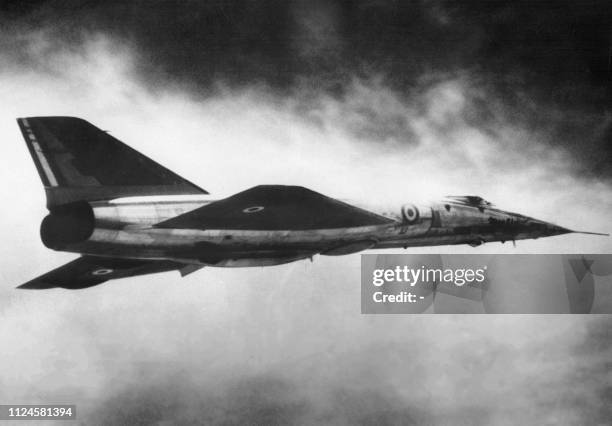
pixel 127 215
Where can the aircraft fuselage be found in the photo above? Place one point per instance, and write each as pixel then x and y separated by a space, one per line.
pixel 125 228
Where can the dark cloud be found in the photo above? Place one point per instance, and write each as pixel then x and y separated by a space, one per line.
pixel 265 399
pixel 542 45
pixel 545 66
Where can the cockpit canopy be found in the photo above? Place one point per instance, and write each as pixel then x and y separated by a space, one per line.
pixel 469 200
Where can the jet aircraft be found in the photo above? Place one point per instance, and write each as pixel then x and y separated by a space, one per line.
pixel 126 215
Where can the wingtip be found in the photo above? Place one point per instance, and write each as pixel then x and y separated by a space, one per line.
pixel 35 285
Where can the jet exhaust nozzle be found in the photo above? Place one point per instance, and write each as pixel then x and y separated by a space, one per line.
pixel 67 224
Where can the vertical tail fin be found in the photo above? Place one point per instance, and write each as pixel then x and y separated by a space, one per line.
pixel 77 161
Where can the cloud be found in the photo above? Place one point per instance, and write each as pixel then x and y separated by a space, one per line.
pixel 535 65
pixel 288 344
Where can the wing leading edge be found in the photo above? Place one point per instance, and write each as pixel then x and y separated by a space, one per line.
pixel 276 207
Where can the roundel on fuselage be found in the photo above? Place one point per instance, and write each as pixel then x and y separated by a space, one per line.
pixel 410 213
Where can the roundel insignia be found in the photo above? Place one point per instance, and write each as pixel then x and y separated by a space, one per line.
pixel 253 209
pixel 410 213
pixel 102 271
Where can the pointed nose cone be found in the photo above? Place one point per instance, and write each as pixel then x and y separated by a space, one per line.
pixel 546 229
pixel 550 229
pixel 524 227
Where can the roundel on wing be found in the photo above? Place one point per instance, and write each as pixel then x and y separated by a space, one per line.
pixel 102 271
pixel 253 209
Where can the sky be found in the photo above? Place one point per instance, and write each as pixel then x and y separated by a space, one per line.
pixel 378 102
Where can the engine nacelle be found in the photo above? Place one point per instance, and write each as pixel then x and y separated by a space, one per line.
pixel 69 224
